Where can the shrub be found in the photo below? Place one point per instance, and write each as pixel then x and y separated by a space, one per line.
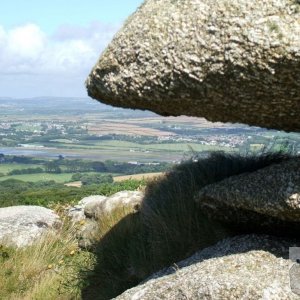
pixel 96 179
pixel 76 177
pixel 47 193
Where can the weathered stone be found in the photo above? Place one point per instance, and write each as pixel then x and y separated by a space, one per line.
pixel 243 267
pixel 92 208
pixel 84 208
pixel 263 198
pixel 228 61
pixel 90 205
pixel 124 199
pixel 22 225
pixel 88 234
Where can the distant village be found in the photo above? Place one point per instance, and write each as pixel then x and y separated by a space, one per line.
pixel 29 130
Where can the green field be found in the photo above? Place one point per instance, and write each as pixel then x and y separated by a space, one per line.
pixel 5 168
pixel 130 146
pixel 60 178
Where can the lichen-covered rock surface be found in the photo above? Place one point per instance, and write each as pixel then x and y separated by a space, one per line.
pixel 91 209
pixel 272 194
pixel 21 225
pixel 243 267
pixel 78 212
pixel 125 199
pixel 228 61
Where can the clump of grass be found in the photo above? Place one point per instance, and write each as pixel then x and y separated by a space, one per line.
pixel 168 227
pixel 174 223
pixel 48 269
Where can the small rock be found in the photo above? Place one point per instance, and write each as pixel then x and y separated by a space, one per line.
pixel 91 207
pixel 77 212
pixel 126 199
pixel 90 199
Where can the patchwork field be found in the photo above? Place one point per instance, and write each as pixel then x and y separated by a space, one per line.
pixel 154 126
pixel 126 129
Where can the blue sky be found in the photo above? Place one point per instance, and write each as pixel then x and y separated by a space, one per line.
pixel 48 47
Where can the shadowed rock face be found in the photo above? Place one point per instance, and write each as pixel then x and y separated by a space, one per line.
pixel 273 191
pixel 228 61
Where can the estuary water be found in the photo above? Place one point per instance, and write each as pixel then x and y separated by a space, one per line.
pixel 21 151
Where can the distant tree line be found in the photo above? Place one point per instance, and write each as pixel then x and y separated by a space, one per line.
pixel 7 159
pixel 26 171
pixel 62 165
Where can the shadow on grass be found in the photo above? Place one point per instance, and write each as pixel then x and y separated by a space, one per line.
pixel 168 227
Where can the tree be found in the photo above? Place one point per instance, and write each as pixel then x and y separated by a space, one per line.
pixel 99 166
pixel 52 167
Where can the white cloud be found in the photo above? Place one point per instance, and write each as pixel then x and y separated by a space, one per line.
pixel 69 53
pixel 26 42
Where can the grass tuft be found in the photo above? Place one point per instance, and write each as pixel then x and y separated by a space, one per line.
pixel 174 223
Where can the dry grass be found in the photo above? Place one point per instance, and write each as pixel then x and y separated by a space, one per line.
pixel 118 248
pixel 77 184
pixel 49 269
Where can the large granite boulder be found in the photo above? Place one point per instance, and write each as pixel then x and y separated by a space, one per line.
pixel 242 267
pixel 228 61
pixel 20 226
pixel 269 197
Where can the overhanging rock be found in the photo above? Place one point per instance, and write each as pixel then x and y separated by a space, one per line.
pixel 228 61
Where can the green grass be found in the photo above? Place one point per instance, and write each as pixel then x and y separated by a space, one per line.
pixel 59 178
pixel 63 141
pixel 5 168
pixel 127 146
